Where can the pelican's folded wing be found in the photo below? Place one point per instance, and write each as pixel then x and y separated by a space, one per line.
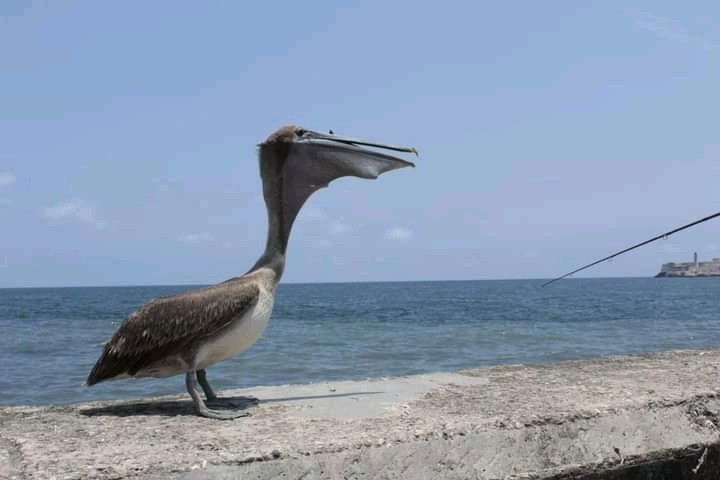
pixel 166 326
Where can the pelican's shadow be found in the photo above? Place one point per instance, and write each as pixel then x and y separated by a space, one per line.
pixel 173 408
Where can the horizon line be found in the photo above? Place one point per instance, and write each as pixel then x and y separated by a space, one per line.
pixel 321 282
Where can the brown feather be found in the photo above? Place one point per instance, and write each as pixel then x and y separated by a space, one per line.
pixel 169 325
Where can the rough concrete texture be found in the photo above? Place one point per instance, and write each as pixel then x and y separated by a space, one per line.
pixel 605 418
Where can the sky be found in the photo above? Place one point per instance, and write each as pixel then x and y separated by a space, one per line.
pixel 550 134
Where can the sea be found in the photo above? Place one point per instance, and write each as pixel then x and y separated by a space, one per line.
pixel 51 337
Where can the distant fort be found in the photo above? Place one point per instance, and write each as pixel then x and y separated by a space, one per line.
pixel 691 269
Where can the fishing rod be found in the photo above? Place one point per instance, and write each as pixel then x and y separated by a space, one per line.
pixel 663 235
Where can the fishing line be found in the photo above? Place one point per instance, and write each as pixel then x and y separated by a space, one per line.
pixel 663 235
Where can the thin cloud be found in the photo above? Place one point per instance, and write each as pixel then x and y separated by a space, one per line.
pixel 195 238
pixel 6 179
pixel 315 214
pixel 398 233
pixel 74 211
pixel 338 228
pixel 325 223
pixel 669 29
pixel 323 243
pixel 546 179
pixel 166 185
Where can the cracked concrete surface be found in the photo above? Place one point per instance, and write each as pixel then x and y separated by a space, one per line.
pixel 519 421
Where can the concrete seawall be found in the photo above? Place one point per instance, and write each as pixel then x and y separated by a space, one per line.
pixel 651 416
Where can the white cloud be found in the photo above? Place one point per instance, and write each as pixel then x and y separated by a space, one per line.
pixel 338 228
pixel 6 179
pixel 398 233
pixel 196 237
pixel 74 211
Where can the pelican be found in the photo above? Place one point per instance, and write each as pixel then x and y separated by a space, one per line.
pixel 189 332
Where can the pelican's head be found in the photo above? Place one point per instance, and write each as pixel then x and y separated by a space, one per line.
pixel 295 162
pixel 328 156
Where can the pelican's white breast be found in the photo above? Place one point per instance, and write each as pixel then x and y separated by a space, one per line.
pixel 241 335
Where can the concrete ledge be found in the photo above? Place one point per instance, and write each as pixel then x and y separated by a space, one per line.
pixel 650 416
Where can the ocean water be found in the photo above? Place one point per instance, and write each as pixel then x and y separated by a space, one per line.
pixel 51 337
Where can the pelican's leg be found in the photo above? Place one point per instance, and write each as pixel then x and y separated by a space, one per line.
pixel 214 401
pixel 202 378
pixel 201 407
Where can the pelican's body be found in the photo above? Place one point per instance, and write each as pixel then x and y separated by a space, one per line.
pixel 189 332
pixel 248 301
pixel 245 330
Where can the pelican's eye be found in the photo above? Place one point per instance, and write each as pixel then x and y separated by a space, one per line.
pixel 300 132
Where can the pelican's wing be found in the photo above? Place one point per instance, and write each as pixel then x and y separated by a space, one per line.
pixel 166 326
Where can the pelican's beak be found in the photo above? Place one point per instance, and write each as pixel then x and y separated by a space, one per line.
pixel 346 156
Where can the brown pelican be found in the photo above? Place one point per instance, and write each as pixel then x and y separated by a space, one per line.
pixel 189 332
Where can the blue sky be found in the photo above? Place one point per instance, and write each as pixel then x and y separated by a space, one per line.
pixel 550 134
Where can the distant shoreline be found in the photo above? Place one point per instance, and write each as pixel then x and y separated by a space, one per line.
pixel 664 275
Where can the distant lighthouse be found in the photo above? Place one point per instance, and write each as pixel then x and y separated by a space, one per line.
pixel 695 261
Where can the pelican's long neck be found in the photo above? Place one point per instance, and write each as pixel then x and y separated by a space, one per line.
pixel 277 238
pixel 281 211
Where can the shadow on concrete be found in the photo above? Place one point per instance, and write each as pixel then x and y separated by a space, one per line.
pixel 172 408
pixel 167 408
pixel 313 397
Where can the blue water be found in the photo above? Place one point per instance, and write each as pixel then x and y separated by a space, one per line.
pixel 51 337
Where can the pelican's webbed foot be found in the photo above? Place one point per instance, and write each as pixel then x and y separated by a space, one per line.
pixel 202 408
pixel 216 402
pixel 234 402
